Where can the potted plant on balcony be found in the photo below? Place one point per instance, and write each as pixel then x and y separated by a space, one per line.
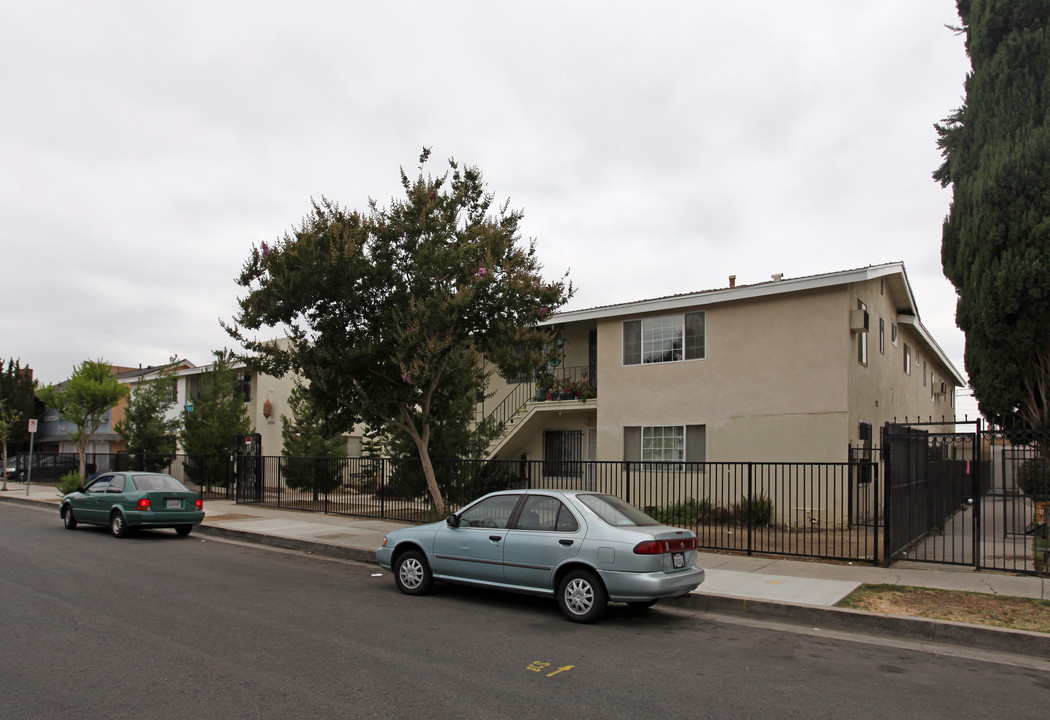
pixel 544 385
pixel 586 391
pixel 566 389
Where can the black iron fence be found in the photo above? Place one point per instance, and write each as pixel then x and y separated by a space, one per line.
pixel 821 510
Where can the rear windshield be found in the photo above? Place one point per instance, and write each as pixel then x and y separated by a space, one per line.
pixel 163 483
pixel 616 512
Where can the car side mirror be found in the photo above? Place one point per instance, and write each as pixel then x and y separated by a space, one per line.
pixel 80 488
pixel 452 520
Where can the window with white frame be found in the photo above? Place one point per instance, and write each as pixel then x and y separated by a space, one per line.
pixel 668 338
pixel 907 359
pixel 882 336
pixel 894 333
pixel 862 339
pixel 665 443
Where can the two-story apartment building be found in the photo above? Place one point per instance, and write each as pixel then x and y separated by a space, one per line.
pixel 787 370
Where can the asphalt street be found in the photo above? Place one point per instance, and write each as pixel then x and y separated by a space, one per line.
pixel 165 627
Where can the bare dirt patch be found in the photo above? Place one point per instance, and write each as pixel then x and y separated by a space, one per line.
pixel 966 607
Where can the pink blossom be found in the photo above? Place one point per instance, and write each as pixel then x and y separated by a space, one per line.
pixel 482 272
pixel 406 377
pixel 542 311
pixel 265 248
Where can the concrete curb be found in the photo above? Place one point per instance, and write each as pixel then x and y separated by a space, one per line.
pixel 30 501
pixel 309 546
pixel 1007 640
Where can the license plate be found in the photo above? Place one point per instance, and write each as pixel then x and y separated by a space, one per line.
pixel 175 504
pixel 678 560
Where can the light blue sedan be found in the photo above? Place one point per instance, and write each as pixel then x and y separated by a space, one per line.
pixel 585 549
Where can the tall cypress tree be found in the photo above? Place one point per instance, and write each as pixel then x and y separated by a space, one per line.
pixel 996 238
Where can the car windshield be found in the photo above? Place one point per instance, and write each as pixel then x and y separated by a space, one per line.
pixel 616 512
pixel 164 483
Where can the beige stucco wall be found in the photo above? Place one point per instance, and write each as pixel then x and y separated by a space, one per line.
pixel 772 385
pixel 276 390
pixel 881 391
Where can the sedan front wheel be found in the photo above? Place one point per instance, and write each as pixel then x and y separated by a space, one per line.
pixel 68 520
pixel 581 596
pixel 412 574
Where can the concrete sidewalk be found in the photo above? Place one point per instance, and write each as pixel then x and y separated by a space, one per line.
pixel 786 590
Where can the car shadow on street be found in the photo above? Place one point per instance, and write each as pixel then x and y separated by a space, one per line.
pixel 139 535
pixel 544 609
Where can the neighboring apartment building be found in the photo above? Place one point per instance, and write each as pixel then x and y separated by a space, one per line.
pixel 787 370
pixel 265 396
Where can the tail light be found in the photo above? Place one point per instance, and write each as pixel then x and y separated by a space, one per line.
pixel 660 547
pixel 143 504
pixel 199 504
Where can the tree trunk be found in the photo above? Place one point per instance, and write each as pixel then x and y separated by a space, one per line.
pixel 428 473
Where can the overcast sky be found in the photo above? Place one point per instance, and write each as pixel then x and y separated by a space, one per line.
pixel 656 148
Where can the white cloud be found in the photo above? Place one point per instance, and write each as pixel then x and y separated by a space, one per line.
pixel 655 149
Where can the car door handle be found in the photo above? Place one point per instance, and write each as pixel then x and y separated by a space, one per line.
pixel 566 543
pixel 495 538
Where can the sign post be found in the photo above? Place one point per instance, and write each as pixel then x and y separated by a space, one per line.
pixel 29 470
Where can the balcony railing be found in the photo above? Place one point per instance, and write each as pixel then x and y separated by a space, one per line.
pixel 530 391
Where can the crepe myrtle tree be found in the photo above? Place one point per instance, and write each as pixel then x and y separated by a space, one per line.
pixel 83 400
pixel 376 304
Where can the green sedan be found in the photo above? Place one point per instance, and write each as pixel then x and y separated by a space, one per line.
pixel 128 500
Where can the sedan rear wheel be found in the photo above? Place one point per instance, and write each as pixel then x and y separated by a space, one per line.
pixel 183 530
pixel 68 520
pixel 581 596
pixel 412 574
pixel 118 525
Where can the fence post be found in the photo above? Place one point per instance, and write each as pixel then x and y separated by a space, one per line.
pixel 750 503
pixel 887 481
pixel 627 479
pixel 975 481
pixel 875 517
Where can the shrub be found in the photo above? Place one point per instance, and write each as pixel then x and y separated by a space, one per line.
pixel 1034 477
pixel 69 483
pixel 690 512
pixel 759 510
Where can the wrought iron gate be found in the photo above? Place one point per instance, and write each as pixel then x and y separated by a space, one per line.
pixel 953 498
pixel 247 467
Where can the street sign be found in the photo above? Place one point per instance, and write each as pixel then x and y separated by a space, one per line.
pixel 32 426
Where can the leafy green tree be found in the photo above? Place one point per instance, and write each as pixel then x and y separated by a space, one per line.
pixel 147 428
pixel 83 400
pixel 376 305
pixel 18 392
pixel 218 415
pixel 996 238
pixel 313 451
pixel 9 418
